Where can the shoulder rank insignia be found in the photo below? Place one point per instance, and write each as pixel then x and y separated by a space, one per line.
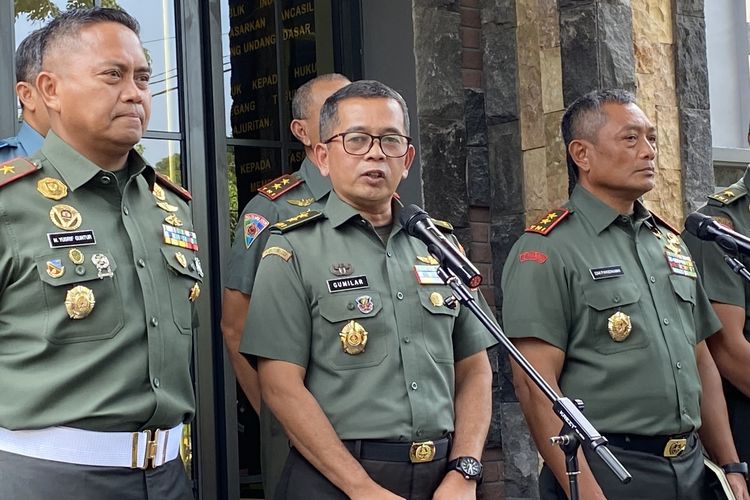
pixel 179 190
pixel 546 224
pixel 296 221
pixel 665 223
pixel 442 225
pixel 279 186
pixel 16 168
pixel 728 195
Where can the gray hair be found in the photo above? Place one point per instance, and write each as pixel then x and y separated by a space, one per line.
pixel 303 95
pixel 362 88
pixel 29 56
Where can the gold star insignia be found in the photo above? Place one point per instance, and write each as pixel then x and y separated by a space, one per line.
pixel 285 182
pixel 277 186
pixel 8 169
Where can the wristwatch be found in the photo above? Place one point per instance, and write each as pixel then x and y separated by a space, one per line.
pixel 469 467
pixel 737 468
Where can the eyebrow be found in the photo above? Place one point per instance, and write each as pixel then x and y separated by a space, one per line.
pixel 387 130
pixel 139 69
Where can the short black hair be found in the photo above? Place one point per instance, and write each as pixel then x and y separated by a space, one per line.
pixel 303 95
pixel 361 88
pixel 69 23
pixel 29 56
pixel 583 119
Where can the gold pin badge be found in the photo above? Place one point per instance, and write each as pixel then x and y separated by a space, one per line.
pixel 353 338
pixel 619 326
pixel 54 189
pixel 429 260
pixel 436 299
pixel 55 268
pixel 65 217
pixel 159 193
pixel 673 243
pixel 166 206
pixel 76 256
pixel 301 202
pixel 79 302
pixel 181 259
pixel 194 293
pixel 173 220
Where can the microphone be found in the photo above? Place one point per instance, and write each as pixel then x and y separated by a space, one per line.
pixel 706 228
pixel 418 224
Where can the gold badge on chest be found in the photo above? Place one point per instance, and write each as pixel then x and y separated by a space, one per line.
pixel 54 189
pixel 79 302
pixel 158 193
pixel 65 217
pixel 673 243
pixel 619 326
pixel 353 338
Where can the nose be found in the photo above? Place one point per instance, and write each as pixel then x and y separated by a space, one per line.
pixel 132 92
pixel 649 150
pixel 373 153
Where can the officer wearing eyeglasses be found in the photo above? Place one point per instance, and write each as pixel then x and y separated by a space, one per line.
pixel 383 390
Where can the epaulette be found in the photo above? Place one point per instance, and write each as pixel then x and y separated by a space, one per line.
pixel 296 221
pixel 443 225
pixel 179 190
pixel 546 224
pixel 16 168
pixel 728 195
pixel 279 186
pixel 664 223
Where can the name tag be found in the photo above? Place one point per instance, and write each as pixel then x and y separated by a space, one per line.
pixel 343 284
pixel 603 273
pixel 71 239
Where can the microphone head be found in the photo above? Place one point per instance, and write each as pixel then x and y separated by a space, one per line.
pixel 410 216
pixel 697 224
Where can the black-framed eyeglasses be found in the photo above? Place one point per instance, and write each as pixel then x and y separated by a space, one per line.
pixel 360 143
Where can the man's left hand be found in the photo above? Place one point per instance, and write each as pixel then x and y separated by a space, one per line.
pixel 455 487
pixel 739 486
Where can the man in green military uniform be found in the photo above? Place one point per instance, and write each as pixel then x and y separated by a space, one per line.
pixel 359 357
pixel 603 298
pixel 730 297
pixel 280 199
pixel 99 271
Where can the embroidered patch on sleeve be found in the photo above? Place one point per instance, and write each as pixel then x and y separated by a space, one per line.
pixel 533 256
pixel 279 252
pixel 253 224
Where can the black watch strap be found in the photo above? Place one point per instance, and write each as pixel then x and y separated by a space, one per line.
pixel 736 468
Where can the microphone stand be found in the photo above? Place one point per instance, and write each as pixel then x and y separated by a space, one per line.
pixel 576 428
pixel 732 261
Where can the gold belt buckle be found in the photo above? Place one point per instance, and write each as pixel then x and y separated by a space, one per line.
pixel 152 445
pixel 422 452
pixel 675 447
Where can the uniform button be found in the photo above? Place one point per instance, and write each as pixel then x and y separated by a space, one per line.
pixel 141 263
pixel 407 340
pixel 80 270
pixel 679 365
pixel 105 179
pixel 414 386
pixel 350 306
pixel 154 321
pixel 389 254
pixel 125 210
pixel 666 321
pixel 400 296
pixel 157 382
pixel 652 279
pixel 420 432
pixel 616 299
pixel 684 411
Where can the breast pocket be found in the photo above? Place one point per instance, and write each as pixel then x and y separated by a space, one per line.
pixel 79 305
pixel 684 289
pixel 182 277
pixel 348 320
pixel 615 315
pixel 437 322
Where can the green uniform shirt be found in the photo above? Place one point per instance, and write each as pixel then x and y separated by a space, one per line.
pixel 721 283
pixel 245 255
pixel 126 365
pixel 564 287
pixel 340 273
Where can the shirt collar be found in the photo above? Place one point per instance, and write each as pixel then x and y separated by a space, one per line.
pixel 598 213
pixel 746 177
pixel 339 212
pixel 319 186
pixel 30 139
pixel 76 170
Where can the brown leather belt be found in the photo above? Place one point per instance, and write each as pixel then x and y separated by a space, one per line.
pixel 390 451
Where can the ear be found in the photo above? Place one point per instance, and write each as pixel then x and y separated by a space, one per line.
pixel 25 93
pixel 579 151
pixel 46 85
pixel 299 130
pixel 320 153
pixel 408 160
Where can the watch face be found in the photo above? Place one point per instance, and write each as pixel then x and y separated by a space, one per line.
pixel 470 466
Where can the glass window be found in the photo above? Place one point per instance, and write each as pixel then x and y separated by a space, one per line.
pixel 164 156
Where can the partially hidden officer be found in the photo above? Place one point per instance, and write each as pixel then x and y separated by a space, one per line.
pixel 99 273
